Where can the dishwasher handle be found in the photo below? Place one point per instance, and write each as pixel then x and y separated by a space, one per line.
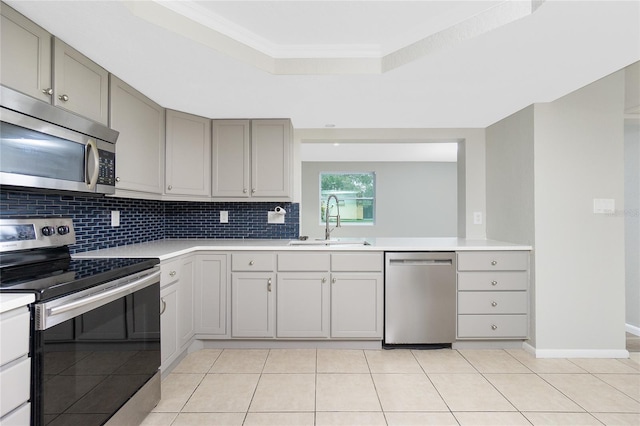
pixel 429 262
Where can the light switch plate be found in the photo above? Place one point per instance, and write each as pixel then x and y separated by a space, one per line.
pixel 604 205
pixel 224 216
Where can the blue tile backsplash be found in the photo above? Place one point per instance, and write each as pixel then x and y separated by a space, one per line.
pixel 148 220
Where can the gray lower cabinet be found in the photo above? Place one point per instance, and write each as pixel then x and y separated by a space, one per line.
pixel 493 298
pixel 252 304
pixel 169 325
pixel 210 294
pixel 177 307
pixel 356 305
pixel 303 304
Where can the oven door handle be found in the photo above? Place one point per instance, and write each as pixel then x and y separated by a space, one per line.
pixel 95 298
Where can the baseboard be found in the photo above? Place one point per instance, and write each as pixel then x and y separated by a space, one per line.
pixel 632 329
pixel 576 353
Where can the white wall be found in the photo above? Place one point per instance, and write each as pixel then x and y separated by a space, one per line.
pixel 413 199
pixel 578 156
pixel 472 189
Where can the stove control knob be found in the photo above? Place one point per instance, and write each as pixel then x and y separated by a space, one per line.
pixel 63 229
pixel 48 231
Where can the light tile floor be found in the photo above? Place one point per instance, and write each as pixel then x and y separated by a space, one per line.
pixel 323 387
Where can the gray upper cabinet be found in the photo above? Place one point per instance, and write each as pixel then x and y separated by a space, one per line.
pixel 188 165
pixel 80 85
pixel 140 147
pixel 231 154
pixel 25 55
pixel 252 159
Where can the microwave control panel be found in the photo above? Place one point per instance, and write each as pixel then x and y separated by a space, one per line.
pixel 107 173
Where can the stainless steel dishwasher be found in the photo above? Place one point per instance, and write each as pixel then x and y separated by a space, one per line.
pixel 419 298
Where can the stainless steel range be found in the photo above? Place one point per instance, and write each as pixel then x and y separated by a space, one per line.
pixel 95 326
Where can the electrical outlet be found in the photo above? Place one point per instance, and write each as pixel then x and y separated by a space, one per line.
pixel 224 216
pixel 115 218
pixel 477 218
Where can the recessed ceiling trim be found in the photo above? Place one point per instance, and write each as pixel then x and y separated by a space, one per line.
pixel 200 24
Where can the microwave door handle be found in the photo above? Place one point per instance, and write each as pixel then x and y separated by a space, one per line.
pixel 91 148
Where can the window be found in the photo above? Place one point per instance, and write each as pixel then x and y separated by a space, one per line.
pixel 356 197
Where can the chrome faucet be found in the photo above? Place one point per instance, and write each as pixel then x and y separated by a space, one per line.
pixel 327 231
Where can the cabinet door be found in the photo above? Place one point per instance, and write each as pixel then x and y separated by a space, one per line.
pixel 252 306
pixel 230 171
pixel 25 55
pixel 186 301
pixel 188 169
pixel 270 158
pixel 80 85
pixel 211 294
pixel 140 147
pixel 356 305
pixel 168 324
pixel 303 304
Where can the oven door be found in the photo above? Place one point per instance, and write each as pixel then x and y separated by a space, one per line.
pixel 95 349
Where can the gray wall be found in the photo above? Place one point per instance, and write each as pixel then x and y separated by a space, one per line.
pixel 412 199
pixel 577 150
pixel 632 222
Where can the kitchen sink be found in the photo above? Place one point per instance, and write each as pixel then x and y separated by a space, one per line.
pixel 345 242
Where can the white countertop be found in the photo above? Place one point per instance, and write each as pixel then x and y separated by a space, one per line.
pixel 166 249
pixel 9 301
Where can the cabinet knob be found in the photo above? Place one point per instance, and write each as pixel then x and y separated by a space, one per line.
pixel 63 98
pixel 494 282
pixel 333 281
pixel 164 306
pixel 253 190
pixel 324 280
pixel 244 191
pixel 494 304
pixel 170 187
pixel 269 285
pixel 172 273
pixel 48 91
pixel 251 262
pixel 494 262
pixel 117 179
pixel 494 327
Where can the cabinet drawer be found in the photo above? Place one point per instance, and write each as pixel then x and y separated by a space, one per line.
pixel 498 280
pixel 493 261
pixel 15 384
pixel 304 262
pixel 492 326
pixel 253 262
pixel 20 417
pixel 494 302
pixel 14 334
pixel 354 262
pixel 170 272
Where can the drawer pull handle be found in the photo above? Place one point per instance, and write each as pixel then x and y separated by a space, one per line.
pixel 269 285
pixel 494 304
pixel 494 262
pixel 172 273
pixel 251 263
pixel 494 282
pixel 494 327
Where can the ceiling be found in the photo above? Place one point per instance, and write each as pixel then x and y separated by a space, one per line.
pixel 351 64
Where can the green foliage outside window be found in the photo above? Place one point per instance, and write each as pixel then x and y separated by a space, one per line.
pixel 356 193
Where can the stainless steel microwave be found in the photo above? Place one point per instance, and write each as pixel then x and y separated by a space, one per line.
pixel 42 146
